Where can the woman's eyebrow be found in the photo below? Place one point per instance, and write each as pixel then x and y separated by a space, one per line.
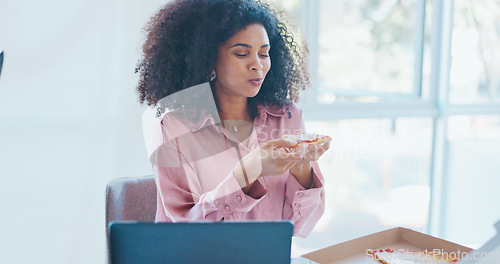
pixel 248 46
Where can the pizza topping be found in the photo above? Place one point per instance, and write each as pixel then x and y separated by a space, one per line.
pixel 307 138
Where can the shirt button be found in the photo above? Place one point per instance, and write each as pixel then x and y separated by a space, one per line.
pixel 300 194
pixel 296 204
pixel 228 208
pixel 238 198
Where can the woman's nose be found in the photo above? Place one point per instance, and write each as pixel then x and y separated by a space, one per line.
pixel 256 64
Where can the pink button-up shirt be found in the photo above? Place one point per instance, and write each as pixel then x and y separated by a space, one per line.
pixel 193 167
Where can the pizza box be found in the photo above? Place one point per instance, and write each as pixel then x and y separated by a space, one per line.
pixel 399 238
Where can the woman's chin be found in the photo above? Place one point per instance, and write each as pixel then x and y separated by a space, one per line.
pixel 252 94
pixel 252 91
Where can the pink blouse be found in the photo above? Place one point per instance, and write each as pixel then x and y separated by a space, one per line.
pixel 193 167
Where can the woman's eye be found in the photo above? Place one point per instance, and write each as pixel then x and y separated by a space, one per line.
pixel 245 54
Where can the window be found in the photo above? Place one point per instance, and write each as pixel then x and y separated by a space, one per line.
pixel 473 142
pixel 404 120
pixel 377 175
pixel 367 48
pixel 475 71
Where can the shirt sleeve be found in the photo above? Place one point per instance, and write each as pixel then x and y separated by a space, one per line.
pixel 180 194
pixel 304 207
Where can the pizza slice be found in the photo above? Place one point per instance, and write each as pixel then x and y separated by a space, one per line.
pixel 389 256
pixel 307 139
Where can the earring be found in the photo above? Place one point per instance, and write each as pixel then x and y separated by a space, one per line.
pixel 212 76
pixel 288 111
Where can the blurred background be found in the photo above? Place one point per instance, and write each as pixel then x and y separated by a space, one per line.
pixel 409 90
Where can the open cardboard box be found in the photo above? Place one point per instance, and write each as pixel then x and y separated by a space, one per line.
pixel 355 251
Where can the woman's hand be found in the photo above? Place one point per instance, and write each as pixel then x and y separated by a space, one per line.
pixel 267 159
pixel 314 152
pixel 302 169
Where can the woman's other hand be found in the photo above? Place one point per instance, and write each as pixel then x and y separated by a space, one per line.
pixel 302 169
pixel 266 160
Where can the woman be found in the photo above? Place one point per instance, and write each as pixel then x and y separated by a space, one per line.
pixel 221 112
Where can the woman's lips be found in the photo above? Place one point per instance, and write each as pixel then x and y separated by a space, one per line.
pixel 256 81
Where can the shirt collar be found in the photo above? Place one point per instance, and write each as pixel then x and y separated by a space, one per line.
pixel 206 119
pixel 273 110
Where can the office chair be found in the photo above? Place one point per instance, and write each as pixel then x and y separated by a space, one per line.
pixel 132 198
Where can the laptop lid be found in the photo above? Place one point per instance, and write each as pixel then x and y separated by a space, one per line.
pixel 201 242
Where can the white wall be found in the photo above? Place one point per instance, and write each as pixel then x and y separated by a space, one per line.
pixel 69 123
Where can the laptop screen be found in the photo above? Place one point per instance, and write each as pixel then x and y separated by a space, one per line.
pixel 201 242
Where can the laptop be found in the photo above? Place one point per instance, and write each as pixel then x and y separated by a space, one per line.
pixel 200 242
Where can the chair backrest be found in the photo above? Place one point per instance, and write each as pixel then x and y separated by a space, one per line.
pixel 132 198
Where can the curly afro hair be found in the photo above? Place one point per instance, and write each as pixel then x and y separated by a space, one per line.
pixel 182 44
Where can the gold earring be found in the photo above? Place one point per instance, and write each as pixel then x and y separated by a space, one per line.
pixel 158 112
pixel 212 76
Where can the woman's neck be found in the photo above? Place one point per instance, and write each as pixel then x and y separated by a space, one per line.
pixel 234 108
